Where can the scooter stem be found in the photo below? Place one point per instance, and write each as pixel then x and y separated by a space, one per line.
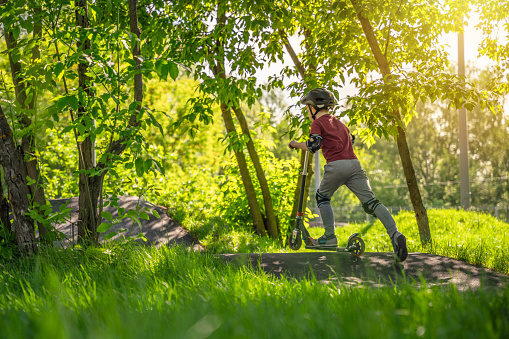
pixel 306 158
pixel 303 184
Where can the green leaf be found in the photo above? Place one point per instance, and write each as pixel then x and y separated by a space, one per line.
pixel 103 227
pixel 174 70
pixel 59 70
pixel 107 215
pixel 71 100
pixel 15 31
pixel 144 215
pixel 147 164
pixel 81 129
pixel 62 102
pixel 156 214
pixel 141 236
pixel 109 235
pixel 139 166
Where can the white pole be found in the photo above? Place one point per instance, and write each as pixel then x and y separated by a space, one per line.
pixel 463 134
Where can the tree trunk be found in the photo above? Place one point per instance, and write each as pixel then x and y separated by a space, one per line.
pixel 404 152
pixel 91 186
pixel 4 211
pixel 421 214
pixel 12 163
pixel 28 140
pixel 88 186
pixel 272 224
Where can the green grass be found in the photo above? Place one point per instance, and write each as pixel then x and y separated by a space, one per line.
pixel 133 292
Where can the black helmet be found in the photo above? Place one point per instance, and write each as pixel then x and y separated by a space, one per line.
pixel 318 98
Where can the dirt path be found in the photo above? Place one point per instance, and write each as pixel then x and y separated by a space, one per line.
pixel 372 269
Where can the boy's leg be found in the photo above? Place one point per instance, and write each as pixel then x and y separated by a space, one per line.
pixel 332 179
pixel 359 185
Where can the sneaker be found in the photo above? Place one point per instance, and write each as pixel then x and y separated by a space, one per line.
pixel 399 244
pixel 326 240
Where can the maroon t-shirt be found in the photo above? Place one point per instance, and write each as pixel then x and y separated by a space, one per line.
pixel 336 142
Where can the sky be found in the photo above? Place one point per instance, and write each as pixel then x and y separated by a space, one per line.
pixel 473 38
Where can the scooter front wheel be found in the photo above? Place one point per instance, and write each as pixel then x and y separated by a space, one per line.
pixel 295 240
pixel 356 246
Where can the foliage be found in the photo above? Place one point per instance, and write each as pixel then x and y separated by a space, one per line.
pixel 133 291
pixel 282 185
pixel 203 45
pixel 493 23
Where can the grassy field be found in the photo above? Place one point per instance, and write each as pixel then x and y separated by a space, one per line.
pixel 133 292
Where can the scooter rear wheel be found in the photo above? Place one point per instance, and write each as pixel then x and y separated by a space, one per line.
pixel 356 246
pixel 296 242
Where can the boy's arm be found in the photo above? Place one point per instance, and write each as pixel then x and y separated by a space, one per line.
pixel 294 144
pixel 302 145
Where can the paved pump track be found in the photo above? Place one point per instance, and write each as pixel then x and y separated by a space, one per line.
pixel 372 269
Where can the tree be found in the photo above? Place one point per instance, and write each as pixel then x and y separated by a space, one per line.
pixel 305 129
pixel 493 18
pixel 408 168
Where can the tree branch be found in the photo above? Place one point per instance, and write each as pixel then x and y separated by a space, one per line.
pixel 389 32
pixel 293 55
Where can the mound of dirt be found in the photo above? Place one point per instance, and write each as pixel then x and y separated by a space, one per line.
pixel 157 231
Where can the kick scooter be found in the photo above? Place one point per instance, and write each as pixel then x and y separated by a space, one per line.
pixel 355 244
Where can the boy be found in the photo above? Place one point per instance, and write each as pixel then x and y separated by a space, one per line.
pixel 342 168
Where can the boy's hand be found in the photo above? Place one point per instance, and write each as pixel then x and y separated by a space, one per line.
pixel 292 144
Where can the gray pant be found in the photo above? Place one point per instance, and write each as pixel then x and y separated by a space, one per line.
pixel 350 173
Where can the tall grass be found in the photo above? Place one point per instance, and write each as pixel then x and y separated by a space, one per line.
pixel 132 292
